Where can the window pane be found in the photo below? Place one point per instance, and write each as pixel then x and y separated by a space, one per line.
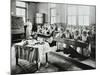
pixel 53 20
pixel 81 20
pixel 53 12
pixel 73 20
pixel 52 5
pixel 20 12
pixel 69 20
pixel 72 10
pixel 83 10
pixel 39 15
pixel 86 20
pixel 53 15
pixel 39 20
pixel 21 4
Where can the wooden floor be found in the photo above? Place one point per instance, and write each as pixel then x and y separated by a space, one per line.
pixel 65 62
pixel 46 69
pixel 25 67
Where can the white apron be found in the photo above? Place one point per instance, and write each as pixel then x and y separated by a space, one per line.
pixel 28 29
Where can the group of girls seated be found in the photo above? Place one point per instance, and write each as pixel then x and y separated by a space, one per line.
pixel 85 36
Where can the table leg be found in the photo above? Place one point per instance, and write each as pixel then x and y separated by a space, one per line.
pixel 16 49
pixel 82 52
pixel 37 58
pixel 22 53
pixel 46 57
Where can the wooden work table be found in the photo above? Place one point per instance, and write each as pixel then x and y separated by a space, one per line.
pixel 73 42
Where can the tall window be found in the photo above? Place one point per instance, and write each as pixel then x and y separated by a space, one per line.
pixel 21 9
pixel 53 13
pixel 83 15
pixel 72 12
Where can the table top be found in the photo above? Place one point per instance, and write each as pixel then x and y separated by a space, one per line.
pixel 77 43
pixel 33 45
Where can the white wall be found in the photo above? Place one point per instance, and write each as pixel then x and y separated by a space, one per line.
pixel 61 12
pixel 32 9
pixel 43 8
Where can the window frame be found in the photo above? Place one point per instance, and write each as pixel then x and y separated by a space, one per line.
pixel 22 7
pixel 39 18
pixel 84 15
pixel 84 20
pixel 72 15
pixel 77 9
pixel 54 8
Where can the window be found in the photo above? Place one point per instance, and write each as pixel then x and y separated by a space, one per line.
pixel 53 15
pixel 72 13
pixel 84 20
pixel 39 18
pixel 83 15
pixel 78 15
pixel 20 4
pixel 71 20
pixel 21 9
